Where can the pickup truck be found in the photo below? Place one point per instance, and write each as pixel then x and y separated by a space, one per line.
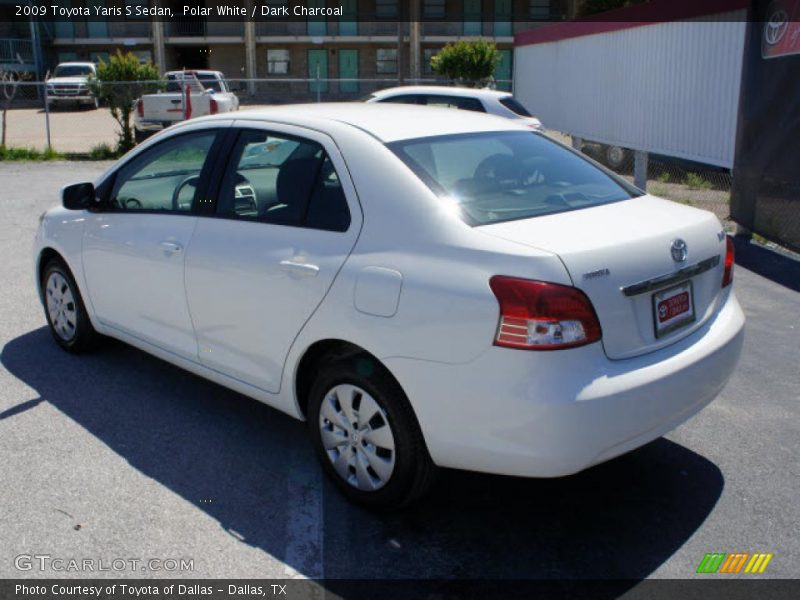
pixel 70 85
pixel 208 94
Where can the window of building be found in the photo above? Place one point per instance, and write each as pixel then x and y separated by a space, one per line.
pixel 434 9
pixel 96 57
pixel 539 10
pixel 386 60
pixel 278 61
pixel 385 9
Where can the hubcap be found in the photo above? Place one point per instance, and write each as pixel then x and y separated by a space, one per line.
pixel 357 437
pixel 61 306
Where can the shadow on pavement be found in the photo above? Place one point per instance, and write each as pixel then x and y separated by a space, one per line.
pixel 775 266
pixel 620 520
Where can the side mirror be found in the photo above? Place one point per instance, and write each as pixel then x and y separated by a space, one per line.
pixel 78 196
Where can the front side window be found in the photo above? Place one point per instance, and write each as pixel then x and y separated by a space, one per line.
pixel 402 99
pixel 163 178
pixel 283 180
pixel 508 175
pixel 278 61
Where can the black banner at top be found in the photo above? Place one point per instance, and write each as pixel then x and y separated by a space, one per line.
pixel 533 12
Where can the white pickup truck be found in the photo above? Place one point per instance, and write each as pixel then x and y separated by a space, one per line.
pixel 70 85
pixel 208 94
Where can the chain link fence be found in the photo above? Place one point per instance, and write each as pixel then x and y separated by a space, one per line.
pixel 71 124
pixel 687 182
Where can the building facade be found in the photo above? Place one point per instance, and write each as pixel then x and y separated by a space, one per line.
pixel 370 41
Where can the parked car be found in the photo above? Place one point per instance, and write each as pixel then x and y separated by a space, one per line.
pixel 209 95
pixel 70 85
pixel 426 288
pixel 502 104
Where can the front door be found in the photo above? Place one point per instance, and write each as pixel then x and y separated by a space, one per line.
pixel 502 18
pixel 348 22
pixel 318 70
pixel 472 17
pixel 134 249
pixel 348 69
pixel 286 220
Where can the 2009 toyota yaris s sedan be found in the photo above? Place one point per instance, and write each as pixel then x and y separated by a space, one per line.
pixel 425 287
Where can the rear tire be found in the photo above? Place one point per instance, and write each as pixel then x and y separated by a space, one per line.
pixel 367 436
pixel 64 309
pixel 617 158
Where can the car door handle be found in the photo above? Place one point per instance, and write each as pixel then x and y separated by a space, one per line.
pixel 171 247
pixel 299 269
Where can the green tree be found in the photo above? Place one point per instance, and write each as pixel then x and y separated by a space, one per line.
pixel 469 63
pixel 118 83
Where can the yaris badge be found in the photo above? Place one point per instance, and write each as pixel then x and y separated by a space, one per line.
pixel 679 250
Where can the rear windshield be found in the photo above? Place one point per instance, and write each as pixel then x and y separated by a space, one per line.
pixel 514 106
pixel 209 82
pixel 72 71
pixel 508 175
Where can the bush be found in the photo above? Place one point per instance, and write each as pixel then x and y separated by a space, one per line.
pixel 103 152
pixel 118 83
pixel 469 63
pixel 28 154
pixel 697 182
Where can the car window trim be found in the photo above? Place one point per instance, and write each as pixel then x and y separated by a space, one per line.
pixel 225 162
pixel 108 184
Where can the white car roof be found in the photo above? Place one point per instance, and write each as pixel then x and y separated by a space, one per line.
pixel 386 122
pixel 75 64
pixel 442 91
pixel 194 72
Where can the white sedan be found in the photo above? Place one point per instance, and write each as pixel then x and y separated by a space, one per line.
pixel 502 104
pixel 425 287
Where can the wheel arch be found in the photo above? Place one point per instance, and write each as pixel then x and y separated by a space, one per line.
pixel 320 352
pixel 47 254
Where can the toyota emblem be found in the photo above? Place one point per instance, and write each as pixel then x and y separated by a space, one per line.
pixel 679 250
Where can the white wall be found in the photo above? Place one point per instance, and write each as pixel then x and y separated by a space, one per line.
pixel 669 88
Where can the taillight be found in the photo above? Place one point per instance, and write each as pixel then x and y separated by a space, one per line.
pixel 727 276
pixel 536 315
pixel 213 107
pixel 140 107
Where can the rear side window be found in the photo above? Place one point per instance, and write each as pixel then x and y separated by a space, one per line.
pixel 508 175
pixel 403 99
pixel 462 103
pixel 514 106
pixel 284 180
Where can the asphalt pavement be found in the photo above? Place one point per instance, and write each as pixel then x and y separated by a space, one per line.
pixel 118 455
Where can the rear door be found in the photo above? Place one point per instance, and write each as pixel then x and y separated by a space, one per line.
pixel 285 220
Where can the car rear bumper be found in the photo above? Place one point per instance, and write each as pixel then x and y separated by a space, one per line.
pixel 549 414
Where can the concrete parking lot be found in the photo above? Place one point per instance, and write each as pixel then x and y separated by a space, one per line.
pixel 119 455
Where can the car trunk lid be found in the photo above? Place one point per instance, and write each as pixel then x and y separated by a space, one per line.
pixel 620 255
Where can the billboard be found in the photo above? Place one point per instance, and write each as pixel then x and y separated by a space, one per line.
pixel 766 185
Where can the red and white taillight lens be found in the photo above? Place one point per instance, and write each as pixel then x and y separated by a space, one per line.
pixel 213 106
pixel 727 276
pixel 140 107
pixel 537 315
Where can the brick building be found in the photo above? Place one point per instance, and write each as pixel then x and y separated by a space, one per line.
pixel 370 41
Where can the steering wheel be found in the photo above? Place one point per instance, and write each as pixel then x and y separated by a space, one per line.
pixel 502 168
pixel 190 180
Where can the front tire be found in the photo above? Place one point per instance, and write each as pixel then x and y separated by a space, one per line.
pixel 64 309
pixel 366 435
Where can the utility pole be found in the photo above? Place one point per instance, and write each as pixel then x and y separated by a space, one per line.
pixel 414 40
pixel 250 50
